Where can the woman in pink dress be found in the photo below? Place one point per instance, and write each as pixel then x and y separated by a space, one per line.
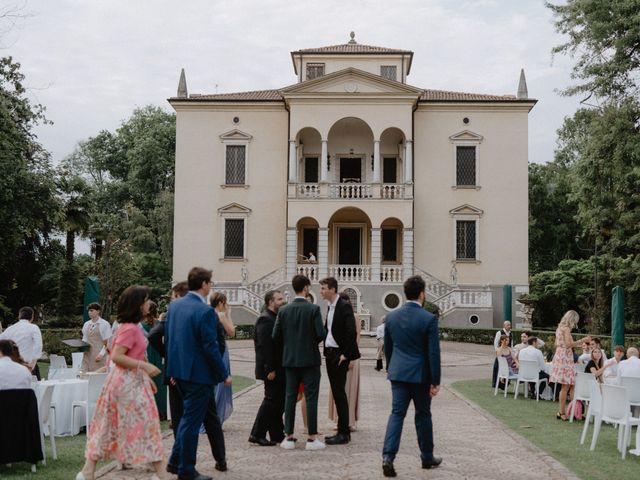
pixel 126 425
pixel 563 369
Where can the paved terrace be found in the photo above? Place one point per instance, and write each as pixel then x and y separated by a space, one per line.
pixel 472 444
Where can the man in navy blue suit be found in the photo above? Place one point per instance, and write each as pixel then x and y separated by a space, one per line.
pixel 195 363
pixel 412 348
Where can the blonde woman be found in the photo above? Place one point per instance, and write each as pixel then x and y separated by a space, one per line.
pixel 562 368
pixel 223 392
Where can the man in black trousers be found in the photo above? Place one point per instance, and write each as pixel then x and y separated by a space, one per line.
pixel 212 424
pixel 269 369
pixel 340 348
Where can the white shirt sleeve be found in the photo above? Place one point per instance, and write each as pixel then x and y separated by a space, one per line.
pixel 36 336
pixel 496 340
pixel 85 331
pixel 105 329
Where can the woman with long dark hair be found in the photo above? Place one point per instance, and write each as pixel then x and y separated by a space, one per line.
pixel 125 425
pixel 223 393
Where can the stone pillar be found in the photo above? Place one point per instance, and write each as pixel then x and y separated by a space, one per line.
pixel 376 161
pixel 323 252
pixel 376 253
pixel 407 253
pixel 408 162
pixel 293 162
pixel 324 162
pixel 292 252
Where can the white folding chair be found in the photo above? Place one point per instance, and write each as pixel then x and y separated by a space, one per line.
pixel 595 406
pixel 96 380
pixel 76 360
pixel 528 373
pixel 57 361
pixel 616 410
pixel 503 372
pixel 581 391
pixel 48 419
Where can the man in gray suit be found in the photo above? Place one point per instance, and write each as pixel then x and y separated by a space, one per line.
pixel 412 348
pixel 299 330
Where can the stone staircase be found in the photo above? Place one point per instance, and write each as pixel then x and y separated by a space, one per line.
pixel 446 297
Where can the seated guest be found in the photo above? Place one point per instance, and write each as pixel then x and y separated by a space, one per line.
pixel 586 353
pixel 610 375
pixel 12 374
pixel 524 338
pixel 531 353
pixel 597 343
pixel 631 366
pixel 505 351
pixel 596 364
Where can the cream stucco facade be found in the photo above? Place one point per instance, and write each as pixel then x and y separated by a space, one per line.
pixel 353 172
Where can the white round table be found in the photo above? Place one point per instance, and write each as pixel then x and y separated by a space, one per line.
pixel 64 394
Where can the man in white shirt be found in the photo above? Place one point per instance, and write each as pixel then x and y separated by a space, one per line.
pixel 12 374
pixel 611 375
pixel 531 353
pixel 380 340
pixel 524 337
pixel 631 366
pixel 27 337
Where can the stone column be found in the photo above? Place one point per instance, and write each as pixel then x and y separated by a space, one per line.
pixel 376 161
pixel 407 253
pixel 293 162
pixel 324 162
pixel 408 162
pixel 292 252
pixel 376 253
pixel 323 252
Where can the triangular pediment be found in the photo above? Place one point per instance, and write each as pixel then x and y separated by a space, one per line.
pixel 351 81
pixel 466 209
pixel 235 134
pixel 234 208
pixel 467 135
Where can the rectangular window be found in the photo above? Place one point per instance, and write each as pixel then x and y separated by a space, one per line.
pixel 311 170
pixel 466 239
pixel 465 166
pixel 234 238
pixel 389 72
pixel 389 245
pixel 389 170
pixel 235 164
pixel 310 242
pixel 315 70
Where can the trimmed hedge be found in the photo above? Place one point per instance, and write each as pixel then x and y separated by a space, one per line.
pixel 52 340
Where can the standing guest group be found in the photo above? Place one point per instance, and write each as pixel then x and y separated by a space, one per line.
pixel 184 352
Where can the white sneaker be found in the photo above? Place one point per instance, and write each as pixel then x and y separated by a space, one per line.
pixel 288 444
pixel 315 445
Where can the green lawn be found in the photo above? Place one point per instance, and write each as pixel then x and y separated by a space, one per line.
pixel 71 450
pixel 537 423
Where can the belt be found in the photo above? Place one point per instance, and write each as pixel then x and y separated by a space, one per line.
pixel 331 348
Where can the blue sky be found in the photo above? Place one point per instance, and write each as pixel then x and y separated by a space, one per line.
pixel 91 63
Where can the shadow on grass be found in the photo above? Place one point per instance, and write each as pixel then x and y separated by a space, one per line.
pixel 536 421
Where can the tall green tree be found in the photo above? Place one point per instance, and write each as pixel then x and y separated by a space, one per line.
pixel 29 207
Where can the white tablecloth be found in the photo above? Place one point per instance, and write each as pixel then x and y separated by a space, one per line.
pixel 64 394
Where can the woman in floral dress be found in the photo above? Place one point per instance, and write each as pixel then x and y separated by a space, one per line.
pixel 125 425
pixel 563 369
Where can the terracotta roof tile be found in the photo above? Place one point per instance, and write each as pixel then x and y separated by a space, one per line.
pixel 351 48
pixel 443 95
pixel 256 95
pixel 275 96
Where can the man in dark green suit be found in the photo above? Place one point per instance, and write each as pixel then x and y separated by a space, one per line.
pixel 299 330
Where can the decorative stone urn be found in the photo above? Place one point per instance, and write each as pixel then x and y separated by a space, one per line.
pixel 526 312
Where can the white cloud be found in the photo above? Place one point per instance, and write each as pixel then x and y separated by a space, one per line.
pixel 91 63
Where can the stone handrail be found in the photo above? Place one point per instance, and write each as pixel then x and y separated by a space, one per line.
pixel 350 273
pixel 309 270
pixel 350 190
pixel 435 288
pixel 269 281
pixel 478 298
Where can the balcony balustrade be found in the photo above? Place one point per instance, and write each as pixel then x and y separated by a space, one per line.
pixel 351 191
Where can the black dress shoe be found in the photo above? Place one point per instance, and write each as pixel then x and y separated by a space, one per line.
pixel 433 463
pixel 339 439
pixel 262 441
pixel 221 466
pixel 171 469
pixel 387 469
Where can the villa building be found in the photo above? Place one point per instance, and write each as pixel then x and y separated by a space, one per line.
pixel 354 173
